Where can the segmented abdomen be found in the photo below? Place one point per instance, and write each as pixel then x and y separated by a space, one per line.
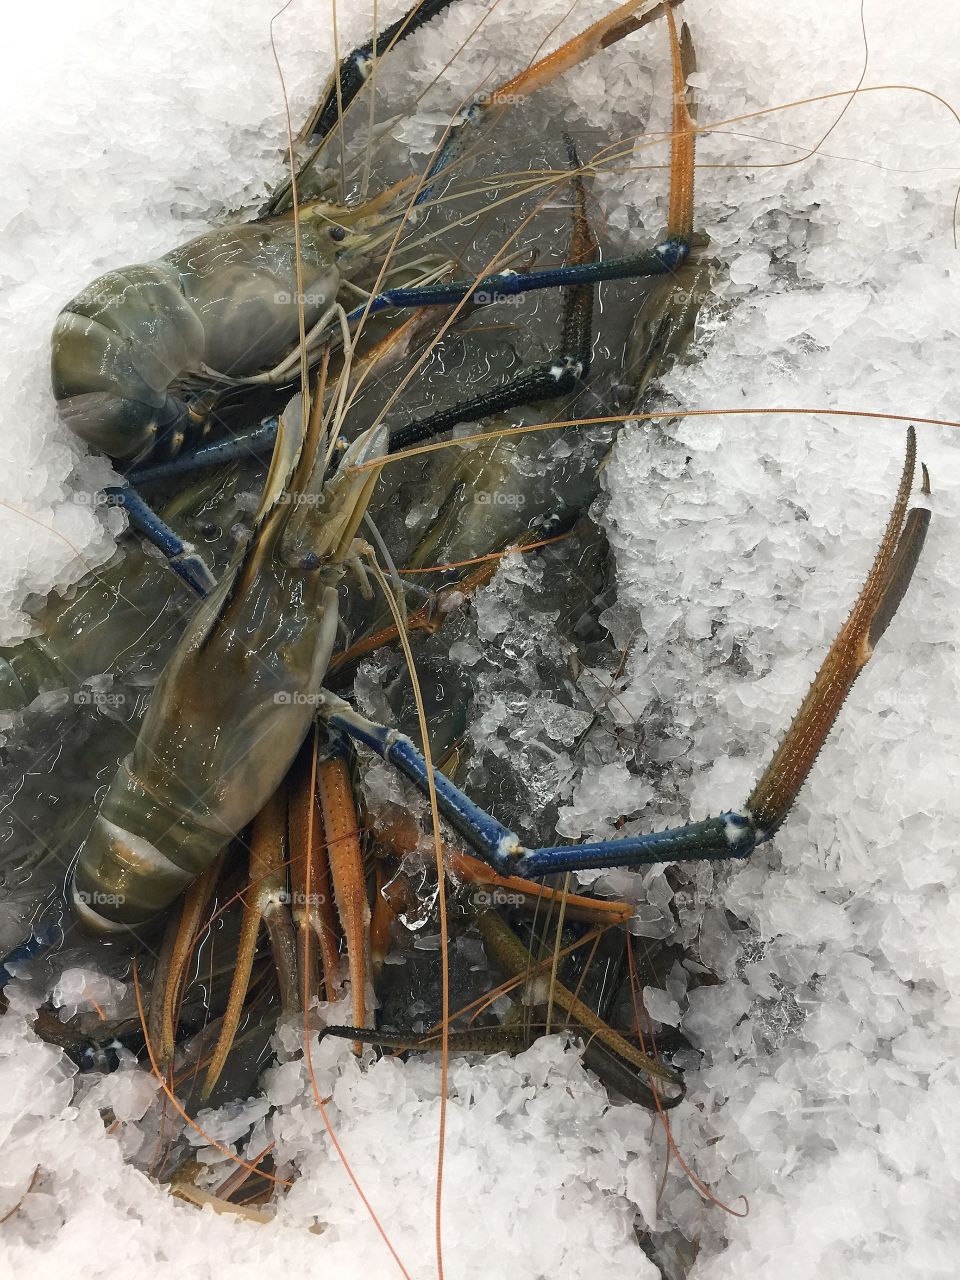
pixel 123 878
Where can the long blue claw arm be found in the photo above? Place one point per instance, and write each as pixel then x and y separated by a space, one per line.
pixel 549 379
pixel 664 258
pixel 497 844
pixel 731 835
pixel 183 560
pixel 354 69
pixel 256 442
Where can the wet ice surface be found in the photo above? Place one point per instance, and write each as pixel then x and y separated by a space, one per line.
pixel 828 1094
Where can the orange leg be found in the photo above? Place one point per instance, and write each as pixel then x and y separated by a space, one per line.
pixel 170 975
pixel 342 836
pixel 530 893
pixel 606 31
pixel 265 901
pixel 313 910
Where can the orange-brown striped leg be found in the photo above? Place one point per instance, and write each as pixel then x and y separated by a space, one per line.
pixel 264 900
pixel 178 946
pixel 302 892
pixel 162 1045
pixel 668 311
pixel 310 875
pixel 682 163
pixel 342 836
pixel 398 832
pixel 517 892
pixel 614 26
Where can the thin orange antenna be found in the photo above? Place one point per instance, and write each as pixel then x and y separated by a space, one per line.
pixel 295 213
pixel 626 147
pixel 522 548
pixel 697 1183
pixel 306 419
pixel 397 613
pixel 661 415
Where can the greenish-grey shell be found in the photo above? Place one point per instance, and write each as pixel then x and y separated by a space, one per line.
pixel 226 301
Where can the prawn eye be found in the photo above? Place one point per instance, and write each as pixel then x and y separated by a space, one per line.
pixel 338 233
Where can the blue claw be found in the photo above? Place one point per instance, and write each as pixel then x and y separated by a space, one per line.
pixel 661 260
pixel 731 835
pixel 185 562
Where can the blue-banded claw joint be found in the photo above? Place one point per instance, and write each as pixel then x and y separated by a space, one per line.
pixel 760 834
pixel 673 252
pixel 742 836
pixel 507 851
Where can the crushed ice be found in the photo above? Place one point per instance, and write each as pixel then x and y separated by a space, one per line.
pixel 828 1093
